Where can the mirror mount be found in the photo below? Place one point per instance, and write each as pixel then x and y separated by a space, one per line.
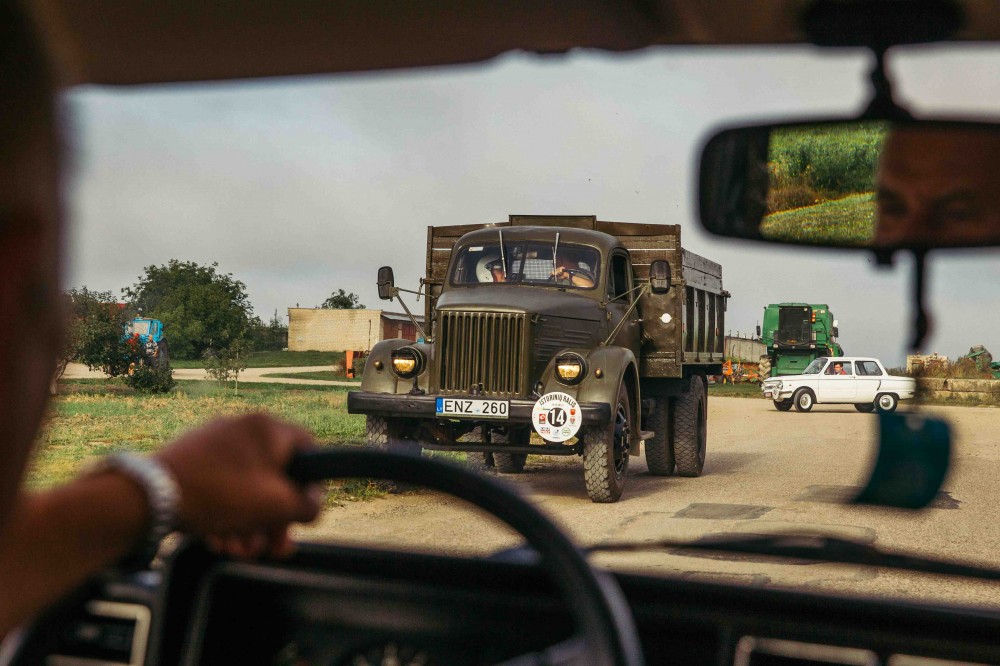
pixel 883 105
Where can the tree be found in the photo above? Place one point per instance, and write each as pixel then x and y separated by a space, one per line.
pixel 227 363
pixel 95 332
pixel 200 307
pixel 341 300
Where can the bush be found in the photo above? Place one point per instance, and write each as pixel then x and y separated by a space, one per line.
pixel 225 365
pixel 359 366
pixel 148 379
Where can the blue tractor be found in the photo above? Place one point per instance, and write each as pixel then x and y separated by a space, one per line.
pixel 147 335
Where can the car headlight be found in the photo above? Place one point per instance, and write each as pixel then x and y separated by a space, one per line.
pixel 407 362
pixel 570 368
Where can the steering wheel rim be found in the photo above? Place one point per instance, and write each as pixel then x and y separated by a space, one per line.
pixel 605 627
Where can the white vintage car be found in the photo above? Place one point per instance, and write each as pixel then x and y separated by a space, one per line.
pixel 862 382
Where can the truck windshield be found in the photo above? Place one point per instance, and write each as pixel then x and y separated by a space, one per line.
pixel 574 266
pixel 794 325
pixel 814 367
pixel 141 327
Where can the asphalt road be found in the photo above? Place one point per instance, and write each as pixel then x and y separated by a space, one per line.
pixel 766 471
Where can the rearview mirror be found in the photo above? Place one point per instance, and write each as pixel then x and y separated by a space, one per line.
pixel 386 283
pixel 659 276
pixel 861 183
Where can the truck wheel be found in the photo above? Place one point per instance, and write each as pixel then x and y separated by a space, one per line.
pixel 510 463
pixel 606 452
pixel 479 461
pixel 384 434
pixel 886 402
pixel 782 405
pixel 690 431
pixel 659 452
pixel 804 400
pixel 865 407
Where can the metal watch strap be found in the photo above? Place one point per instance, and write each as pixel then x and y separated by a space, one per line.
pixel 162 495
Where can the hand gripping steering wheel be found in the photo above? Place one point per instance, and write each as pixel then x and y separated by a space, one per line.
pixel 605 632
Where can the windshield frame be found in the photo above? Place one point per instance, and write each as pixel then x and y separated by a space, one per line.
pixel 511 248
pixel 822 360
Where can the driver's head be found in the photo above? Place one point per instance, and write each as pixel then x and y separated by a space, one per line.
pixel 837 367
pixel 938 186
pixel 29 240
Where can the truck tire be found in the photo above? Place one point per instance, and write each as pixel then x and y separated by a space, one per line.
pixel 478 461
pixel 689 428
pixel 886 402
pixel 782 405
pixel 510 463
pixel 804 400
pixel 383 434
pixel 865 407
pixel 606 452
pixel 659 448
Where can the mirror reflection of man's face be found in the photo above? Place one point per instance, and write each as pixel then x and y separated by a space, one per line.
pixel 939 187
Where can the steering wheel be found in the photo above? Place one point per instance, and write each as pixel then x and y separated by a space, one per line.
pixel 605 632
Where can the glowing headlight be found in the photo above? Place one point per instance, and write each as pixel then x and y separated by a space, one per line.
pixel 407 362
pixel 570 368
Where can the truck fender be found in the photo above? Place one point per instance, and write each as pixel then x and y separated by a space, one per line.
pixel 385 380
pixel 617 365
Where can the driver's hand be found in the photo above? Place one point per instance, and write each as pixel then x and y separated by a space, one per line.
pixel 234 489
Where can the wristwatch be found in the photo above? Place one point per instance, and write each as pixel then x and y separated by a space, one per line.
pixel 163 496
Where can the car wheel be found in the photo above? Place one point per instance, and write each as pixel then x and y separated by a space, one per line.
pixel 690 428
pixel 606 452
pixel 803 400
pixel 865 407
pixel 384 434
pixel 887 402
pixel 659 448
pixel 510 463
pixel 782 405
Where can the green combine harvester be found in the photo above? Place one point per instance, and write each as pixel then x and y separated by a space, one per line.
pixel 795 334
pixel 984 360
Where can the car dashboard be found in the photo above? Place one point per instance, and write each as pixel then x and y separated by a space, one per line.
pixel 331 605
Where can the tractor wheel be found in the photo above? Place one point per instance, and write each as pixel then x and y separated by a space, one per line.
pixel 606 452
pixel 764 367
pixel 659 449
pixel 690 428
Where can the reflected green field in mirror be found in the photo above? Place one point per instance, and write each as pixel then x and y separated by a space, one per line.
pixel 849 221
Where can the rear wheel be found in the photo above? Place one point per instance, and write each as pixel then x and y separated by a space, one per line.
pixel 782 405
pixel 865 407
pixel 886 402
pixel 606 452
pixel 384 434
pixel 510 463
pixel 659 448
pixel 479 461
pixel 689 427
pixel 804 400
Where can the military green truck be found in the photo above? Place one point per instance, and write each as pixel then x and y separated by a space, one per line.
pixel 572 328
pixel 795 334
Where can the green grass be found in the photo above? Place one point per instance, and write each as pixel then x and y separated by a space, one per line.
pixel 91 418
pixel 735 390
pixel 276 359
pixel 326 375
pixel 846 221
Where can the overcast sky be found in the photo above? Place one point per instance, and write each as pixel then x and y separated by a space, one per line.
pixel 301 187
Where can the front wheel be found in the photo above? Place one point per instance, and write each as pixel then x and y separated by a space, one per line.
pixel 782 405
pixel 689 424
pixel 384 434
pixel 606 453
pixel 865 407
pixel 887 402
pixel 804 400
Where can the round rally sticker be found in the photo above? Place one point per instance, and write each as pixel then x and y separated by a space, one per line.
pixel 556 417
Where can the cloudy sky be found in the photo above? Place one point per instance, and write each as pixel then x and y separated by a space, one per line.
pixel 303 186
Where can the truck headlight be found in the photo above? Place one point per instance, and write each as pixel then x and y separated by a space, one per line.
pixel 407 362
pixel 570 368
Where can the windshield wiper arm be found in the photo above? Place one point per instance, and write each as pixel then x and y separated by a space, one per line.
pixel 815 548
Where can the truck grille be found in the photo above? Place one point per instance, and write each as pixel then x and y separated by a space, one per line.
pixel 482 348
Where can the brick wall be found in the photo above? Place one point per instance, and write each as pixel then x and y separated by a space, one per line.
pixel 316 329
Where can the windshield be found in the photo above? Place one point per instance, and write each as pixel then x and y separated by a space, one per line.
pixel 290 194
pixel 532 263
pixel 814 367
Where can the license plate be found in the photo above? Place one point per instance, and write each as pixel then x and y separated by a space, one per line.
pixel 473 408
pixel 771 394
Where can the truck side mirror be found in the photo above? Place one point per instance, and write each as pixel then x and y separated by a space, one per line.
pixel 386 283
pixel 659 276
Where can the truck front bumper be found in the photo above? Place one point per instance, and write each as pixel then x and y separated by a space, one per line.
pixel 425 407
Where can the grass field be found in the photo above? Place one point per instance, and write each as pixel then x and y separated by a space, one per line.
pixel 278 359
pixel 735 390
pixel 846 221
pixel 327 375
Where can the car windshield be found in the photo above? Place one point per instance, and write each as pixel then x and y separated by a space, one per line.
pixel 814 367
pixel 528 263
pixel 288 194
